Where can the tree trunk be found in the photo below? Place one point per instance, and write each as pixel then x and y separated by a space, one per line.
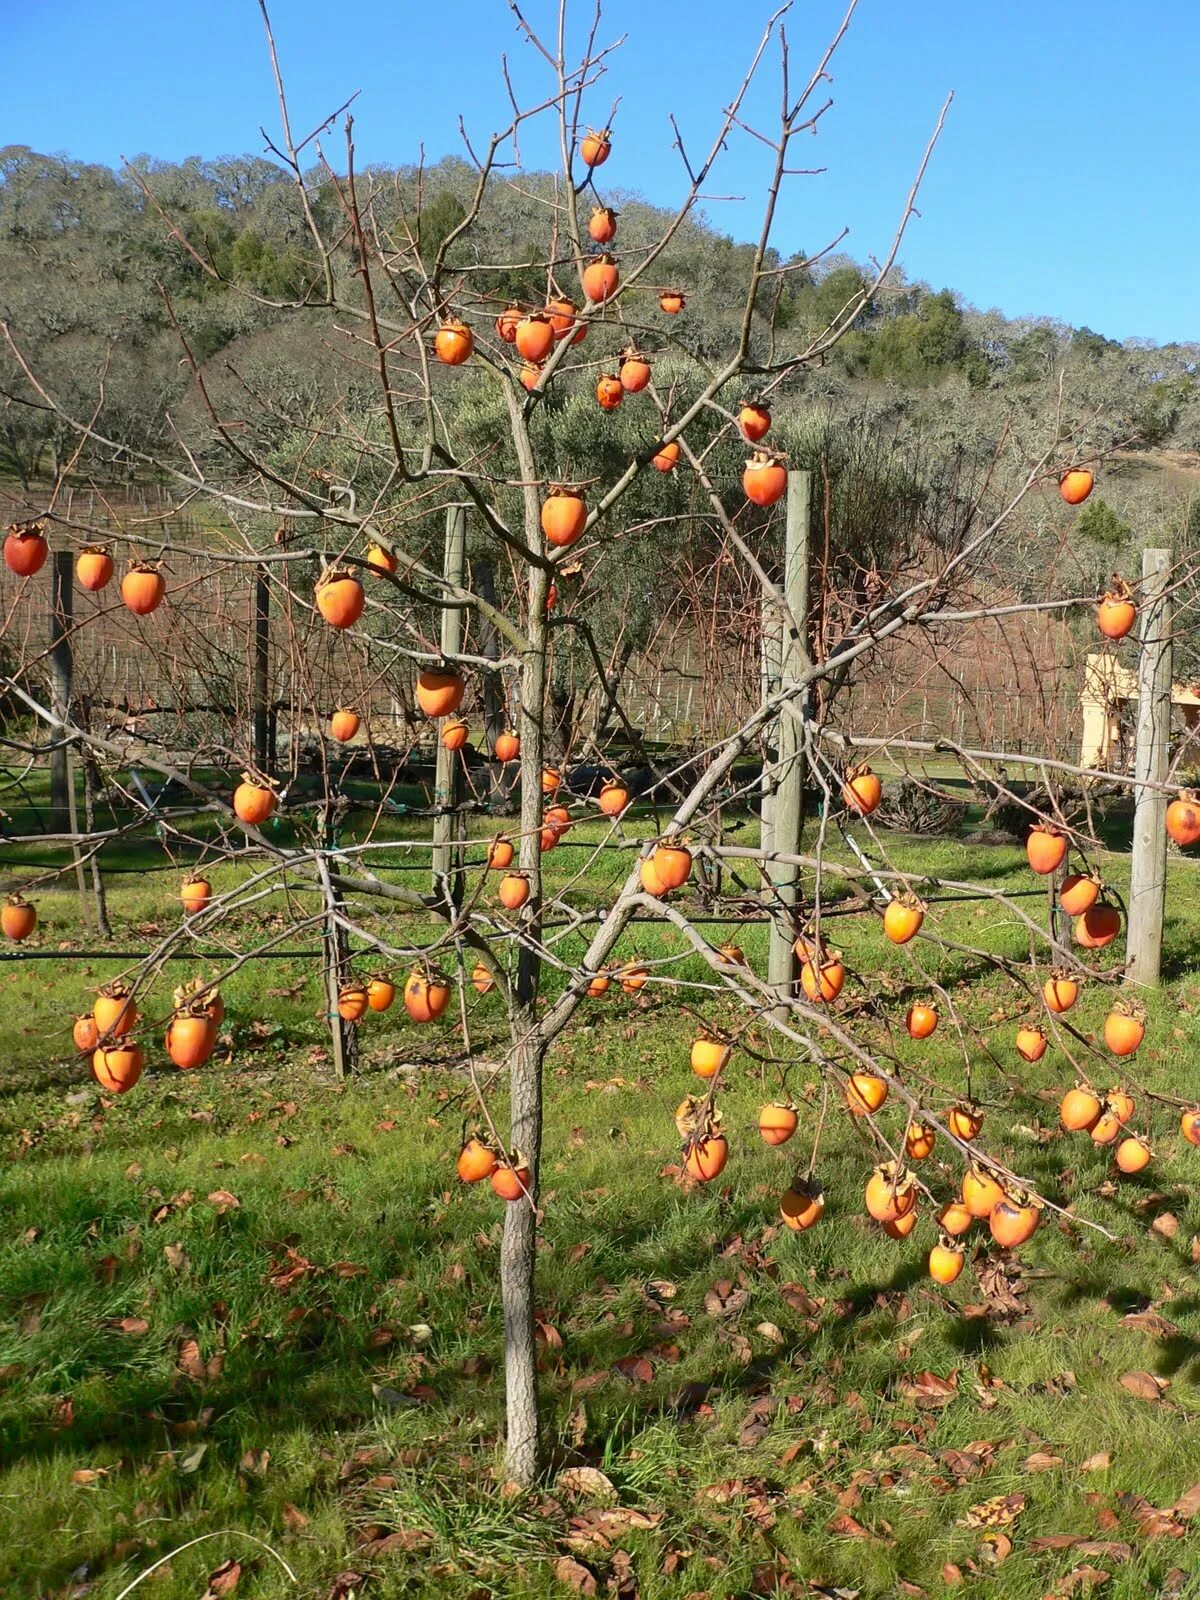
pixel 517 1257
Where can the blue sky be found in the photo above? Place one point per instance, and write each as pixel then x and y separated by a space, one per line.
pixel 1064 185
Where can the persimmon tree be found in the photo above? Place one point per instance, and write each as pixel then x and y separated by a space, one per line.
pixel 557 405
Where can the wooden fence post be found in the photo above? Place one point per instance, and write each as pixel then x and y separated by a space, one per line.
pixel 1151 761
pixel 447 883
pixel 788 800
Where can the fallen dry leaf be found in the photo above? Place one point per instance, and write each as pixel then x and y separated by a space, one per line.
pixel 1100 1462
pixel 222 1201
pixel 575 1575
pixel 1039 1461
pixel 995 1548
pixel 998 1512
pixel 1144 1385
pixel 589 1482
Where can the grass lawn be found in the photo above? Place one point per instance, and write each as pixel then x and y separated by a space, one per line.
pixel 251 1301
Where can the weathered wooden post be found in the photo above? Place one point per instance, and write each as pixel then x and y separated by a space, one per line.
pixel 771 650
pixel 788 800
pixel 447 883
pixel 1151 761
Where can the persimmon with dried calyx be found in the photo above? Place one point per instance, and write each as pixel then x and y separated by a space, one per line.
pixel 426 996
pixel 901 1227
pixel 352 1001
pixel 601 279
pixel 18 918
pixel 1031 1042
pixel 551 780
pixel 955 1217
pixel 1116 612
pixel 672 302
pixel 564 319
pixel 482 980
pixel 534 337
pixel 454 733
pixel 1189 1126
pixel 511 1178
pixel 475 1161
pixel 143 588
pixel 1107 1127
pixel 1060 991
pixel 1121 1103
pixel 865 1093
pixel 94 567
pixel 1045 848
pixel 440 691
pixel 85 1035
pixel 964 1121
pixel 1076 485
pixel 891 1192
pixel 595 148
pixel 1183 818
pixel 340 597
pixel 454 342
pixel 598 985
pixel 706 1158
pixel 531 376
pixel 513 891
pixel 25 548
pixel 802 1205
pixel 777 1122
pixel 506 324
pixel 500 853
pixel 671 865
pixel 1125 1027
pixel 919 1141
pixel 564 516
pixel 980 1192
pixel 754 420
pixel 921 1019
pixel 507 746
pixel 687 1115
pixel 1012 1221
pixel 902 918
pixel 114 1010
pixel 1133 1154
pixel 255 799
pixel 634 372
pixel 1098 927
pixel 763 480
pixel 190 1038
pixel 822 973
pixel 1079 893
pixel 116 1068
pixel 381 991
pixel 861 791
pixel 665 457
pixel 946 1262
pixel 633 978
pixel 731 955
pixel 1079 1110
pixel 614 797
pixel 602 224
pixel 609 392
pixel 194 894
pixel 556 823
pixel 381 560
pixel 709 1056
pixel 344 724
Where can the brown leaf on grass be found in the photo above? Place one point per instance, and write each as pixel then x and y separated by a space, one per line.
pixel 222 1201
pixel 928 1390
pixel 293 1518
pixel 256 1462
pixel 575 1575
pixel 106 1268
pixel 589 1482
pixel 1166 1224
pixel 1040 1461
pixel 85 1475
pixel 1100 1462
pixel 1188 1503
pixel 999 1512
pixel 1152 1522
pixel 844 1526
pixel 176 1257
pixel 1083 1578
pixel 1152 1322
pixel 638 1369
pixel 1144 1385
pixel 758 1422
pixel 133 1326
pixel 347 1586
pixel 970 1462
pixel 1108 1549
pixel 951 1575
pixel 225 1579
pixel 725 1301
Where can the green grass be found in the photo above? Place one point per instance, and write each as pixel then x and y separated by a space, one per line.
pixel 345 1312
